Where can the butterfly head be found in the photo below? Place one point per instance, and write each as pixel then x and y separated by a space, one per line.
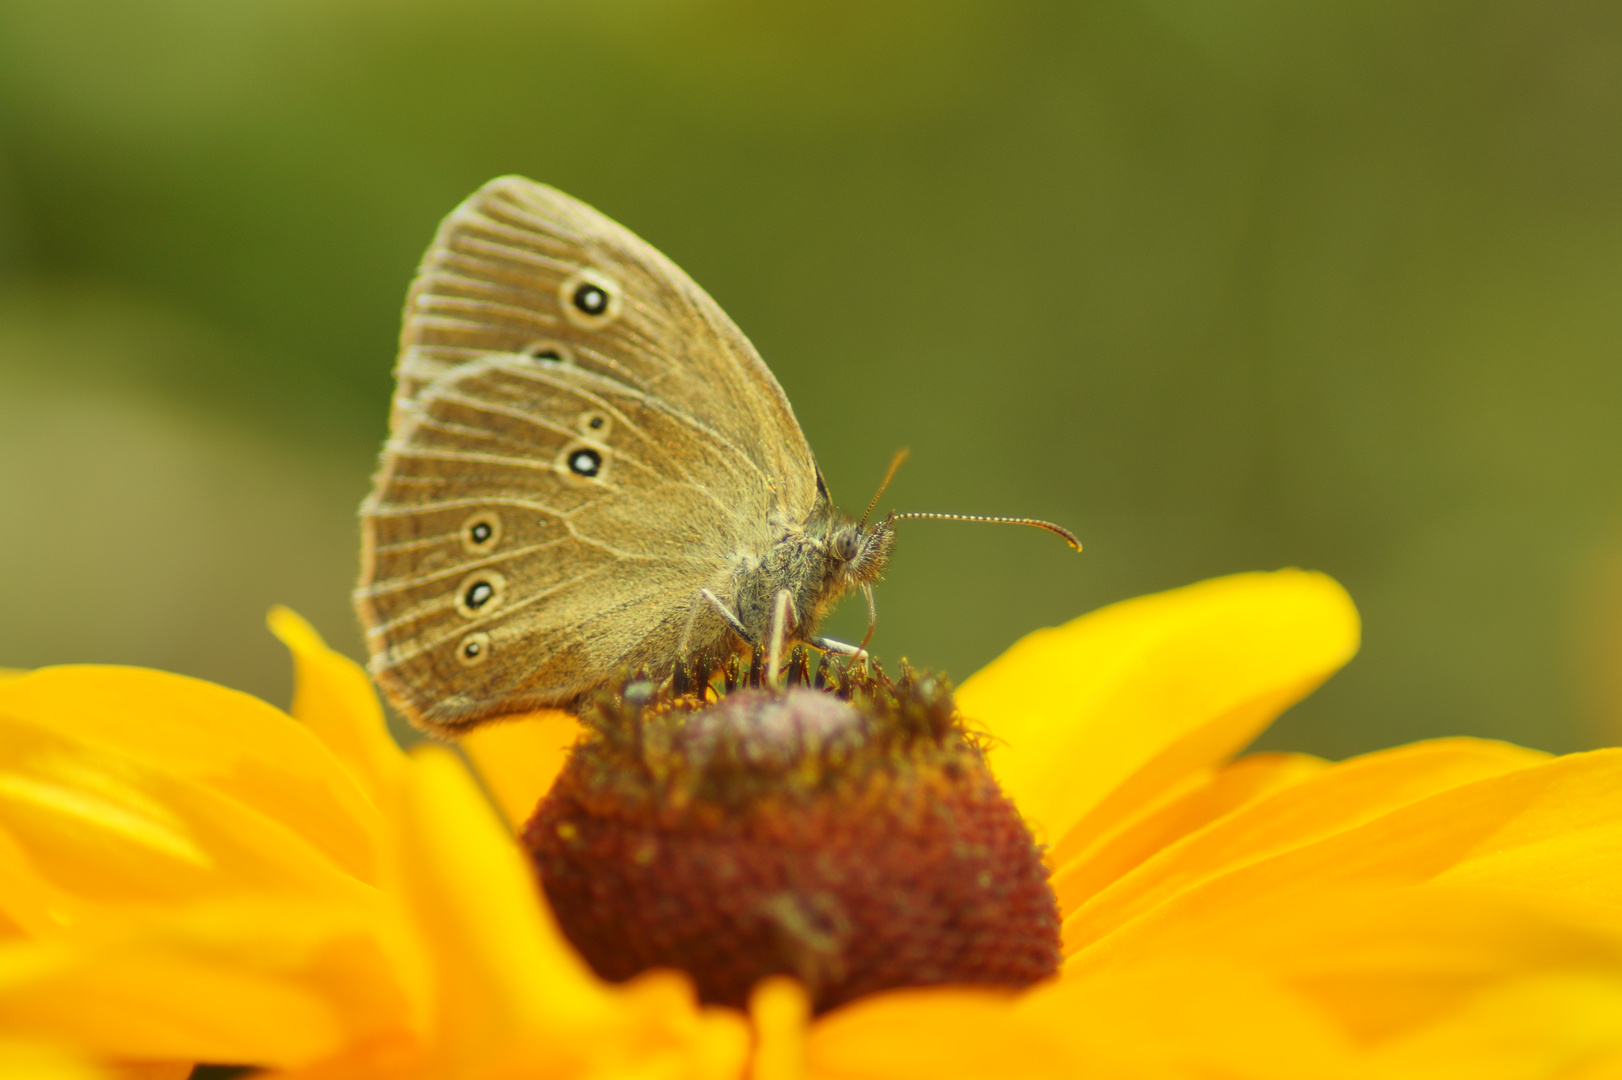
pixel 858 551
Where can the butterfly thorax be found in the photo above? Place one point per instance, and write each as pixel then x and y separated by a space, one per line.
pixel 817 563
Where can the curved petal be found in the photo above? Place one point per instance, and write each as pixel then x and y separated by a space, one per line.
pixel 1096 717
pixel 1183 1018
pixel 1332 800
pixel 30 1059
pixel 1561 1025
pixel 148 1070
pixel 109 806
pixel 1386 962
pixel 1552 830
pixel 1215 797
pixel 333 698
pixel 511 992
pixel 780 1013
pixel 192 860
pixel 134 1001
pixel 94 743
pixel 952 1034
pixel 519 758
pixel 503 965
pixel 1442 980
pixel 1433 983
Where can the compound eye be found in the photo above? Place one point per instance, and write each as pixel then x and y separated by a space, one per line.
pixel 845 545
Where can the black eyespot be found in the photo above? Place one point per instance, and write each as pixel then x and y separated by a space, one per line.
pixel 845 545
pixel 545 349
pixel 594 423
pixel 480 591
pixel 585 462
pixel 481 532
pixel 474 649
pixel 591 299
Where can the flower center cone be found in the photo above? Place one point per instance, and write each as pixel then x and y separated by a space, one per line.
pixel 843 830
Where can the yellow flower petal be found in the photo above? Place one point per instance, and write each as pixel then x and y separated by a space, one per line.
pixel 1560 1025
pixel 1217 796
pixel 1551 830
pixel 1097 716
pixel 1385 962
pixel 106 746
pixel 780 1011
pixel 29 1059
pixel 1190 1018
pixel 937 1035
pixel 1431 983
pixel 663 1032
pixel 148 1070
pixel 513 996
pixel 519 758
pixel 1443 980
pixel 88 831
pixel 260 980
pixel 501 967
pixel 334 698
pixel 1331 801
pixel 141 1002
pixel 197 885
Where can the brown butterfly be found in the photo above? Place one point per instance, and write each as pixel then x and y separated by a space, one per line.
pixel 589 468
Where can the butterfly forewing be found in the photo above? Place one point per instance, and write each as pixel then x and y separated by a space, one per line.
pixel 493 281
pixel 580 441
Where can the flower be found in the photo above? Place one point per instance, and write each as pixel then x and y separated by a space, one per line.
pixel 193 875
pixel 189 874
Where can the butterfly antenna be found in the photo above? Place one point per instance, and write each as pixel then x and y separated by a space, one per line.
pixel 889 474
pixel 1057 530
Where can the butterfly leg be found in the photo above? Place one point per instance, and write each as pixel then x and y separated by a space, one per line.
pixel 858 651
pixel 830 645
pixel 730 619
pixel 780 617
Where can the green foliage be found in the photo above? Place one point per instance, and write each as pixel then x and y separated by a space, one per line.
pixel 1218 285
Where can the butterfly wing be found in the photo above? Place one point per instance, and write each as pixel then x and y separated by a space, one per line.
pixel 580 440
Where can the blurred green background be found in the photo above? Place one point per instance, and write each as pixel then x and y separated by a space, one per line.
pixel 1220 285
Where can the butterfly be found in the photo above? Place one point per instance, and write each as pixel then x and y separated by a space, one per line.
pixel 589 469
